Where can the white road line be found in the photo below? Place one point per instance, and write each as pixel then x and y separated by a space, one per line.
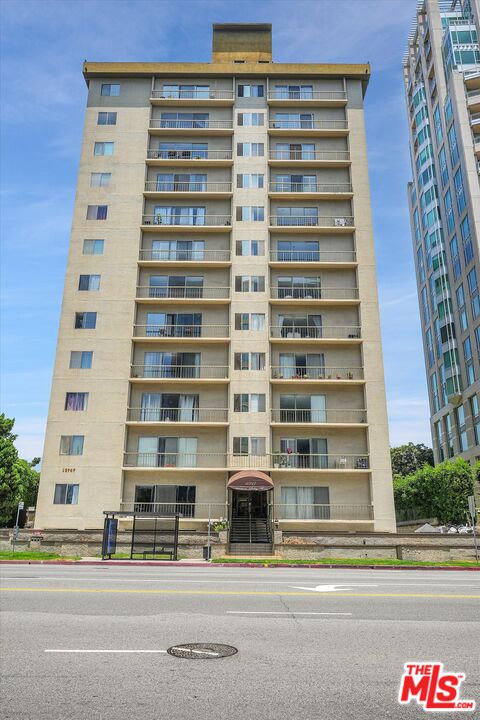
pixel 105 651
pixel 281 612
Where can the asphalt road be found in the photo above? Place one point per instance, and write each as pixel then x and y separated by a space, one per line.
pixel 328 644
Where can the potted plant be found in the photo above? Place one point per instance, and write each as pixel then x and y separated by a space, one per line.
pixel 350 375
pixel 222 528
pixel 276 458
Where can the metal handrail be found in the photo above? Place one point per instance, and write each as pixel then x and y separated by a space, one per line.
pixel 185 255
pixel 178 415
pixel 186 220
pixel 307 292
pixel 314 372
pixel 308 124
pixel 313 255
pixel 183 293
pixel 269 461
pixel 182 331
pixel 180 372
pixel 307 95
pixel 189 154
pixel 208 94
pixel 279 187
pixel 316 333
pixel 157 186
pixel 327 155
pixel 310 221
pixel 280 415
pixel 206 124
pixel 316 511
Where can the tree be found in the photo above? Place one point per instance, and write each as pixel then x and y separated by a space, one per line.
pixel 439 492
pixel 407 459
pixel 18 480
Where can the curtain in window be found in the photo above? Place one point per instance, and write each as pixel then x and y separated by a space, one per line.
pixel 76 445
pixel 151 407
pixel 187 452
pixel 289 502
pixel 151 362
pixel 287 365
pixel 72 495
pixel 147 452
pixel 317 408
pixel 319 453
pixel 188 408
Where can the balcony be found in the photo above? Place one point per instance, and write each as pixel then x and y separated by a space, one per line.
pixel 205 97
pixel 320 258
pixel 154 188
pixel 310 158
pixel 325 334
pixel 179 373
pixel 308 128
pixel 180 295
pixel 172 158
pixel 159 126
pixel 283 375
pixel 310 191
pixel 284 514
pixel 311 224
pixel 475 122
pixel 307 98
pixel 318 295
pixel 272 461
pixel 178 416
pixel 178 223
pixel 171 258
pixel 282 416
pixel 182 333
pixel 476 147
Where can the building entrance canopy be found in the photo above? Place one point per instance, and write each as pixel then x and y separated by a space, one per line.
pixel 250 480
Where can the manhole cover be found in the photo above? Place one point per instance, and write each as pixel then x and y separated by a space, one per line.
pixel 202 651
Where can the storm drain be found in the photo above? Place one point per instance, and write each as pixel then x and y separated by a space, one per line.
pixel 202 651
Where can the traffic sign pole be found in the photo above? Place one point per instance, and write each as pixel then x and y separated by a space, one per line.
pixel 16 529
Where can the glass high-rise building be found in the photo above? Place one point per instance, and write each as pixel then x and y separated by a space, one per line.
pixel 442 86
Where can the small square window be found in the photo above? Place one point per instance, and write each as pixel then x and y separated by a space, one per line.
pixel 112 90
pixel 81 359
pixel 93 247
pixel 107 118
pixel 100 179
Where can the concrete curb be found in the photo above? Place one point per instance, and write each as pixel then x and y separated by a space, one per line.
pixel 170 563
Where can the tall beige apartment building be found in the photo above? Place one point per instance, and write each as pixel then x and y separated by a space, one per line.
pixel 442 85
pixel 219 350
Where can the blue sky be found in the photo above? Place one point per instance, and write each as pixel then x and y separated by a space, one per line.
pixel 43 99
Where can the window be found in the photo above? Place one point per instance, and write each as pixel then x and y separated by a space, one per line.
pixel 449 434
pixel 420 265
pixel 467 240
pixel 247 149
pixel 474 296
pixel 295 151
pixel 439 439
pixel 167 452
pixel 178 215
pixel 468 355
pixel 97 212
pixel 293 92
pixel 250 119
pixel 65 494
pixel 184 120
pixel 93 247
pixel 249 446
pixel 250 180
pixel 305 503
pixel 249 283
pixel 249 321
pixel 71 444
pixel 250 247
pixel 435 396
pixel 250 90
pixel 249 403
pixel 460 293
pixel 475 410
pixel 171 498
pixel 89 282
pixel 443 167
pixel 249 361
pixel 76 401
pixel 448 110
pixel 186 91
pixel 100 179
pixel 184 151
pixel 449 210
pixel 103 148
pixel 107 118
pixel 430 349
pixel 425 307
pixel 438 125
pixel 458 180
pixel 452 141
pixel 85 320
pixel 113 90
pixel 81 359
pixel 253 213
pixel 293 120
pixel 457 268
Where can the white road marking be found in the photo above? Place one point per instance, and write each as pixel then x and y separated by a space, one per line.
pixel 104 651
pixel 280 612
pixel 330 588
